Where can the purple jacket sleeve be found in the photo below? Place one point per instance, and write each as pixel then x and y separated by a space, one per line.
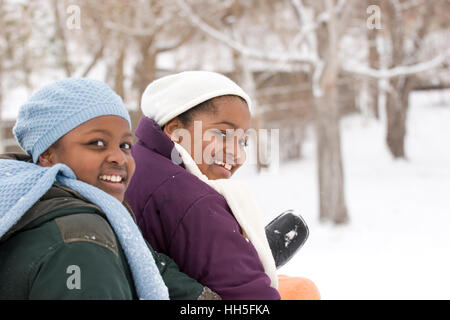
pixel 208 246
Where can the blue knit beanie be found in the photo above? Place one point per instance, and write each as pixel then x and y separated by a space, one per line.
pixel 57 108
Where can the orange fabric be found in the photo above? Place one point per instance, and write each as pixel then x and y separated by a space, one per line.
pixel 297 288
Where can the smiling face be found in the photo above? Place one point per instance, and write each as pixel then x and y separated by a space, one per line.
pixel 99 153
pixel 223 139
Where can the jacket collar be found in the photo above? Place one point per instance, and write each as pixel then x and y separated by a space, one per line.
pixel 152 136
pixel 55 202
pixel 16 156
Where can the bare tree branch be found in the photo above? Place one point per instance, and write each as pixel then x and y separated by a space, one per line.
pixel 94 60
pixel 179 42
pixel 397 71
pixel 139 32
pixel 241 48
pixel 307 28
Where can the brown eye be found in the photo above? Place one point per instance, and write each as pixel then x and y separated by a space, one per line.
pixel 126 146
pixel 97 143
pixel 243 142
pixel 219 133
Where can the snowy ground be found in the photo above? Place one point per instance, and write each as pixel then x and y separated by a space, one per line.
pixel 397 244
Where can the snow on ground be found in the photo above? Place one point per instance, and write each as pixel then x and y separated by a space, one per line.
pixel 397 244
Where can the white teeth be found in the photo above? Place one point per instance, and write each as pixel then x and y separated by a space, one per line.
pixel 111 178
pixel 225 165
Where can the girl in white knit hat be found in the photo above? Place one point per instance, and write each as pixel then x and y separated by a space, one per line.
pixel 191 141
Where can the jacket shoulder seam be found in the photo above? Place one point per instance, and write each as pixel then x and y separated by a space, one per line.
pixel 87 227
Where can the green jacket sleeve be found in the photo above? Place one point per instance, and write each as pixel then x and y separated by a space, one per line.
pixel 80 270
pixel 181 286
pixel 78 258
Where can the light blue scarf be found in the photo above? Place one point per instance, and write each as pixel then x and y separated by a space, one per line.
pixel 22 184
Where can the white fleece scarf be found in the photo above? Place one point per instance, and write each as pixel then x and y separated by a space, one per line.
pixel 244 208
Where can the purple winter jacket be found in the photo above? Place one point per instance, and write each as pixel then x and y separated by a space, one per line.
pixel 189 221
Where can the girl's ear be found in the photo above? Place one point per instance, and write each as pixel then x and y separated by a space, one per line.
pixel 171 128
pixel 46 159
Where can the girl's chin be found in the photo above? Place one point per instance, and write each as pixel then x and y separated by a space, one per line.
pixel 116 190
pixel 218 172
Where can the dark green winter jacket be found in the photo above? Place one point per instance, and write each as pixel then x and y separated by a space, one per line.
pixel 64 248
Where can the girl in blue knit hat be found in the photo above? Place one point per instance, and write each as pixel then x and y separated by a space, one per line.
pixel 65 232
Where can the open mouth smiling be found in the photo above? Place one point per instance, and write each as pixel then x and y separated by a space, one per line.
pixel 225 165
pixel 113 183
pixel 112 178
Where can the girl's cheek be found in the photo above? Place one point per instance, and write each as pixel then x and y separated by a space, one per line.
pixel 131 164
pixel 208 152
pixel 130 172
pixel 239 154
pixel 243 158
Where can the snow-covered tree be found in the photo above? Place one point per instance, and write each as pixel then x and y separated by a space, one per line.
pixel 134 33
pixel 398 54
pixel 406 47
pixel 20 50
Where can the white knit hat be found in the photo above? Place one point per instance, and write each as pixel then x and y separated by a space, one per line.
pixel 170 96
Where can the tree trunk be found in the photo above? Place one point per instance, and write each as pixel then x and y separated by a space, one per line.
pixel 397 104
pixel 60 34
pixel 329 158
pixel 398 98
pixel 119 77
pixel 396 129
pixel 145 72
pixel 374 63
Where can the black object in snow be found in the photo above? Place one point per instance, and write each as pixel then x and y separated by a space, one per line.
pixel 286 235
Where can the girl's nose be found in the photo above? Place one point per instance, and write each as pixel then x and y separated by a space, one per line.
pixel 235 151
pixel 117 156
